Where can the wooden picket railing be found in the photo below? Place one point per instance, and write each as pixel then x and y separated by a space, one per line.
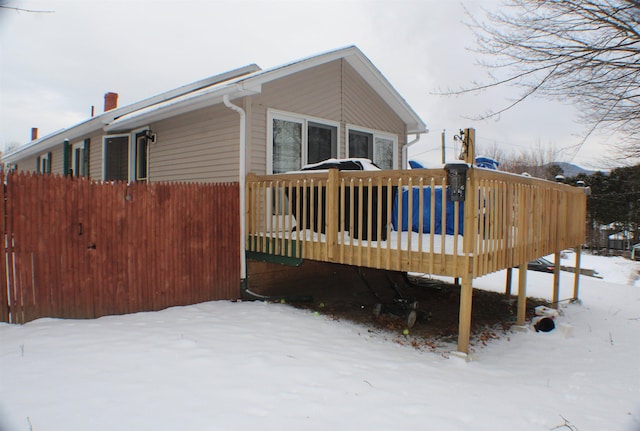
pixel 355 218
pixel 522 218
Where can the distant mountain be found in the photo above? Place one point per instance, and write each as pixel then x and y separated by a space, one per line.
pixel 571 170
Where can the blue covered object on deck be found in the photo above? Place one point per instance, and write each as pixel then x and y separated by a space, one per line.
pixel 426 222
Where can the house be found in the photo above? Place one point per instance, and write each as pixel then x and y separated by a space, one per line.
pixel 251 126
pixel 336 104
pixel 621 240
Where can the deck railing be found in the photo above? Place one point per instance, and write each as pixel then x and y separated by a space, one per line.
pixel 521 218
pixel 403 220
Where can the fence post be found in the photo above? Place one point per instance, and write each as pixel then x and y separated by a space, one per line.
pixel 332 213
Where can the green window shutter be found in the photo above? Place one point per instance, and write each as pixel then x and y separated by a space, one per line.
pixel 66 157
pixel 48 171
pixel 38 165
pixel 85 158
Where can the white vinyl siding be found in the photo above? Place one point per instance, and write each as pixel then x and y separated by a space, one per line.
pixel 199 146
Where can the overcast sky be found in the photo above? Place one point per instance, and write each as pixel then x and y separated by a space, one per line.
pixel 55 66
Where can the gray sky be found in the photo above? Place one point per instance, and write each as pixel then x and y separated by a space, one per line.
pixel 55 66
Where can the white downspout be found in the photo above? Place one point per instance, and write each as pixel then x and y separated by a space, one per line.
pixel 405 151
pixel 243 174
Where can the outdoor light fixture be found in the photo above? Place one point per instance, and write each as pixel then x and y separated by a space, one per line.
pixel 151 137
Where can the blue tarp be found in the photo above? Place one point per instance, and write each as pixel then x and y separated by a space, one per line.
pixel 487 162
pixel 426 222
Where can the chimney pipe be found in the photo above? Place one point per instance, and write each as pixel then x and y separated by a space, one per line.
pixel 34 133
pixel 110 101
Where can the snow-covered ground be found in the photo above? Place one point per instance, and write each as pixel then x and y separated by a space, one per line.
pixel 265 366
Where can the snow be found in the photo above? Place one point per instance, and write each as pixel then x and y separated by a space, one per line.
pixel 254 365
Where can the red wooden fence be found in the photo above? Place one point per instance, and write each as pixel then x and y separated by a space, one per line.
pixel 82 249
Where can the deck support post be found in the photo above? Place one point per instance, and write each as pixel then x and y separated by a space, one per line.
pixel 576 279
pixel 556 280
pixel 522 294
pixel 464 328
pixel 507 289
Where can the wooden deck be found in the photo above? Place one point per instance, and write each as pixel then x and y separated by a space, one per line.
pixel 345 217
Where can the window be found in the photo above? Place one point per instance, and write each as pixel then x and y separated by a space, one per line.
pixel 296 141
pixel 116 158
pixel 80 159
pixel 377 147
pixel 142 156
pixel 43 163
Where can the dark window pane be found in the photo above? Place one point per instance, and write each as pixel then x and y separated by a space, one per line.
pixel 117 159
pixel 321 143
pixel 77 160
pixel 141 156
pixel 360 145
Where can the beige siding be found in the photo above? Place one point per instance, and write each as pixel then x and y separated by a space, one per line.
pixel 95 156
pixel 27 164
pixel 313 92
pixel 56 159
pixel 364 107
pixel 333 91
pixel 199 146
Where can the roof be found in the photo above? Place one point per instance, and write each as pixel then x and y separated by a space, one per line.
pixel 210 91
pixel 623 235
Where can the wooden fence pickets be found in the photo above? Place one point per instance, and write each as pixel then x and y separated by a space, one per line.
pixel 81 249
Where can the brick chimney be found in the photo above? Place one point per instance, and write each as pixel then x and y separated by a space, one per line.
pixel 34 133
pixel 110 101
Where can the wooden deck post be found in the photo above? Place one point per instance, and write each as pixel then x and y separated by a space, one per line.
pixel 522 294
pixel 470 143
pixel 464 324
pixel 332 214
pixel 556 280
pixel 576 276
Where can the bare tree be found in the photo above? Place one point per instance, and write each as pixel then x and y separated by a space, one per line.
pixel 584 52
pixel 537 161
pixel 4 5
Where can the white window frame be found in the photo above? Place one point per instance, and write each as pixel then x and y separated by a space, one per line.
pixel 375 134
pixel 104 153
pixel 74 147
pixel 44 158
pixel 133 161
pixel 273 114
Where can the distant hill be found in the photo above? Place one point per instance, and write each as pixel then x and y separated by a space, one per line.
pixel 571 170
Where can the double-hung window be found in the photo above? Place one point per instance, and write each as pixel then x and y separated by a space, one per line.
pixel 80 158
pixel 43 163
pixel 116 158
pixel 142 156
pixel 378 147
pixel 296 140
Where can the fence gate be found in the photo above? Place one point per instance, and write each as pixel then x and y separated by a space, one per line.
pixel 81 249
